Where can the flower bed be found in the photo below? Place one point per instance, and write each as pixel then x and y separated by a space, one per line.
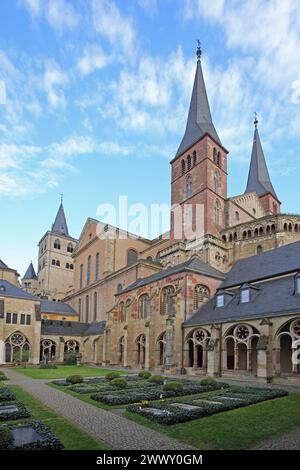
pixel 154 392
pixel 10 411
pixel 36 432
pixel 198 406
pixel 6 394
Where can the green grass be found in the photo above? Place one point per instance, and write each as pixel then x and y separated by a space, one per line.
pixel 62 372
pixel 71 437
pixel 242 428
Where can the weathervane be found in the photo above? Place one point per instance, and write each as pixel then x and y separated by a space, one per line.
pixel 199 51
pixel 255 120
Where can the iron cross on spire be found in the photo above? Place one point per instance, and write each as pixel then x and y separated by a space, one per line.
pixel 61 197
pixel 199 51
pixel 255 120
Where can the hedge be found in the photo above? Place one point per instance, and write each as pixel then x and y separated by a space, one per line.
pixel 48 442
pixel 6 438
pixel 124 397
pixel 21 412
pixel 244 397
pixel 74 379
pixel 6 394
pixel 2 376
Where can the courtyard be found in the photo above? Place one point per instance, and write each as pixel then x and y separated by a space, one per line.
pixel 117 410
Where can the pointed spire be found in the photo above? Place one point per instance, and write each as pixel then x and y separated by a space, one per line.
pixel 60 224
pixel 258 179
pixel 30 273
pixel 199 120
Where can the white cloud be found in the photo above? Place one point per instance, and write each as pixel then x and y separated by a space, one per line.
pixel 54 81
pixel 33 6
pixel 93 58
pixel 14 156
pixel 61 15
pixel 115 27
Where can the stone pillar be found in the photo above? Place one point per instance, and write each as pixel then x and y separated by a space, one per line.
pixel 35 350
pixel 2 352
pixel 170 339
pixel 147 345
pixel 276 355
pixel 125 352
pixel 249 360
pixel 61 350
pixel 262 357
pixel 236 358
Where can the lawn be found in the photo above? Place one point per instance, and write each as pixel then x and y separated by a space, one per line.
pixel 61 372
pixel 242 428
pixel 71 437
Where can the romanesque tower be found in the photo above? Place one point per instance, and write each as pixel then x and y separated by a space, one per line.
pixel 199 168
pixel 30 280
pixel 55 262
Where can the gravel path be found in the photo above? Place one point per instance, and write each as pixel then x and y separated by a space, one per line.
pixel 116 431
pixel 287 441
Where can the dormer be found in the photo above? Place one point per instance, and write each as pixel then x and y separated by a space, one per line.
pixel 223 298
pixel 297 284
pixel 247 293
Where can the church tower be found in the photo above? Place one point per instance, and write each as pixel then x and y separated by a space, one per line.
pixel 55 262
pixel 30 280
pixel 199 168
pixel 259 180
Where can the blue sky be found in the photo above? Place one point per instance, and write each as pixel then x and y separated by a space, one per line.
pixel 97 94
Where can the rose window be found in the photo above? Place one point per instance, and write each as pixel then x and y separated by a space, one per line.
pixel 17 339
pixel 242 332
pixel 200 336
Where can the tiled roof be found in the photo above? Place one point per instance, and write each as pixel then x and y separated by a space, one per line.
pixel 48 306
pixel 30 273
pixel 10 290
pixel 71 328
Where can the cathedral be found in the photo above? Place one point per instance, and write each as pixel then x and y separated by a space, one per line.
pixel 223 304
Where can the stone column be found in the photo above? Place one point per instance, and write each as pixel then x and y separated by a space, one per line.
pixel 249 360
pixel 125 352
pixel 61 350
pixel 2 352
pixel 147 352
pixel 262 357
pixel 170 338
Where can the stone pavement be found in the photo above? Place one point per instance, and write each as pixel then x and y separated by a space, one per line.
pixel 115 430
pixel 287 441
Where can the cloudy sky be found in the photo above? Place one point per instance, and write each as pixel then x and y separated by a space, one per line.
pixel 94 96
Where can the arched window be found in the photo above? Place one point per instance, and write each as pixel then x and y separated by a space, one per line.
pixel 167 301
pixel 79 309
pixel 81 277
pixel 70 248
pixel 161 342
pixel 189 162
pixel 218 159
pixel 97 266
pixel 119 288
pixel 217 212
pixel 132 257
pixel 88 272
pixel 57 263
pixel 47 350
pixel 95 305
pixel 194 157
pixel 259 249
pixel 201 295
pixel 144 306
pixel 122 314
pixel 182 167
pixel 217 182
pixel 87 308
pixel 53 262
pixel 67 266
pixel 128 309
pixel 237 215
pixel 141 350
pixel 215 155
pixel 57 244
pixel 71 266
pixel 189 186
pixel 72 346
pixel 17 348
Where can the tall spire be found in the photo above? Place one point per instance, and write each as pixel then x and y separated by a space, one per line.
pixel 199 120
pixel 30 273
pixel 60 224
pixel 258 179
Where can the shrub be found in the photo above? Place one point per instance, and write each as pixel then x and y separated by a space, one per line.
pixel 173 386
pixel 21 356
pixel 2 376
pixel 112 375
pixel 74 379
pixel 70 358
pixel 145 374
pixel 119 383
pixel 156 379
pixel 6 438
pixel 6 394
pixel 208 381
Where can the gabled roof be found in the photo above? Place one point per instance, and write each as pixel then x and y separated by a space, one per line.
pixel 3 265
pixel 265 265
pixel 199 121
pixel 60 224
pixel 10 290
pixel 259 181
pixel 48 306
pixel 71 328
pixel 192 265
pixel 273 298
pixel 30 273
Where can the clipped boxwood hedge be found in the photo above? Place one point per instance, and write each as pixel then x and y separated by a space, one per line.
pixel 2 376
pixel 174 386
pixel 21 412
pixel 6 438
pixel 145 374
pixel 172 414
pixel 112 375
pixel 156 379
pixel 74 379
pixel 48 442
pixel 6 394
pixel 119 383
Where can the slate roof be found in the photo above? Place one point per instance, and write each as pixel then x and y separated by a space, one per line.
pixel 193 265
pixel 268 264
pixel 199 121
pixel 274 298
pixel 3 265
pixel 259 180
pixel 60 224
pixel 71 328
pixel 30 273
pixel 10 290
pixel 48 306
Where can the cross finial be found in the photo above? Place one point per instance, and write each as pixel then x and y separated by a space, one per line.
pixel 61 197
pixel 255 120
pixel 198 51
